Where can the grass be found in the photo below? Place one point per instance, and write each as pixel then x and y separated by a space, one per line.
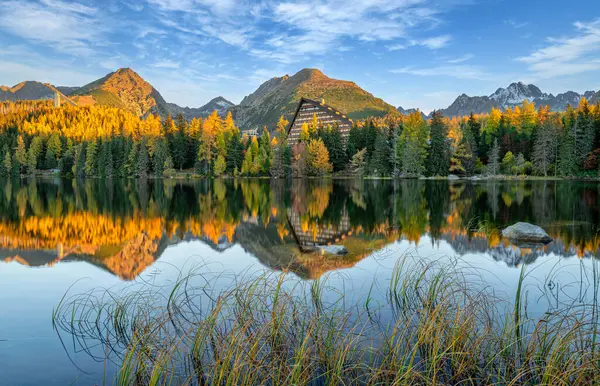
pixel 431 326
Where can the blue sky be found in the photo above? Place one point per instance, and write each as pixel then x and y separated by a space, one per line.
pixel 413 53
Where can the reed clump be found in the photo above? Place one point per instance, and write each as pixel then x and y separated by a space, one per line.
pixel 430 326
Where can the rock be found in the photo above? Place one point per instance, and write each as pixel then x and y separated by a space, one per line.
pixel 523 232
pixel 453 177
pixel 339 250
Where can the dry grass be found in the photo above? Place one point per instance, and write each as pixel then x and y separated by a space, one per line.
pixel 432 327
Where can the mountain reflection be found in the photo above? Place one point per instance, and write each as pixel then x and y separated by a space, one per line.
pixel 123 226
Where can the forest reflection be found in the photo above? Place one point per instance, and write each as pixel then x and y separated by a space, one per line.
pixel 123 226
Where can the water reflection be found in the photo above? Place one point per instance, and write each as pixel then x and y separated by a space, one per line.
pixel 123 226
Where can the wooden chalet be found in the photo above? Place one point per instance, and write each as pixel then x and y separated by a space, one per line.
pixel 326 115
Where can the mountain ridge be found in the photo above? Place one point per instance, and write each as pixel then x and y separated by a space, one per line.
pixel 514 95
pixel 280 96
pixel 124 88
pixel 219 104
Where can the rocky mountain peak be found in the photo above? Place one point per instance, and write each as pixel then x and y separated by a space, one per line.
pixel 279 96
pixel 516 93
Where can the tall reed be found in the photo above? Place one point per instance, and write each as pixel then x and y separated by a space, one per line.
pixel 433 325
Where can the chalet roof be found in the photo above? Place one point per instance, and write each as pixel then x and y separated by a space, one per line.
pixel 341 115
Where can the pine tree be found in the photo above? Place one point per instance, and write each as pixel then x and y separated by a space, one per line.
pixel 220 165
pixel 143 161
pixel 461 161
pixel 508 163
pixel 109 169
pixel 520 164
pixel 101 158
pixel 438 161
pixel 395 161
pixel 474 127
pixel 179 148
pixel 7 162
pixel 337 153
pixel 413 144
pixel 380 161
pixel 80 158
pixel 265 151
pixel 21 154
pixel 158 151
pixel 567 159
pixel 90 160
pixel 53 151
pixel 494 159
pixel 281 166
pixel 583 131
pixel 66 164
pixel 235 153
pixel 33 153
pixel 355 142
pixel 544 146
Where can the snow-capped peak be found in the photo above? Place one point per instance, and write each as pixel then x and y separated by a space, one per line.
pixel 516 93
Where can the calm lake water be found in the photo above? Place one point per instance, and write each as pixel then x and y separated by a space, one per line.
pixel 59 235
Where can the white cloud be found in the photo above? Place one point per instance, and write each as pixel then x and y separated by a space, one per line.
pixel 567 55
pixel 166 64
pixel 68 27
pixel 433 43
pixel 396 47
pixel 454 71
pixel 515 24
pixel 460 59
pixel 299 28
pixel 436 42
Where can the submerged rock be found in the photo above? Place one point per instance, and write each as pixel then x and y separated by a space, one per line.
pixel 523 232
pixel 339 250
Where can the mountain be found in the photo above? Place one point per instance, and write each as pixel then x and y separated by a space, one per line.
pixel 123 88
pixel 28 90
pixel 67 90
pixel 514 95
pixel 410 111
pixel 281 95
pixel 220 104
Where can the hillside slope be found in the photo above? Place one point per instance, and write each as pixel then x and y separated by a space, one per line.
pixel 281 95
pixel 124 88
pixel 29 90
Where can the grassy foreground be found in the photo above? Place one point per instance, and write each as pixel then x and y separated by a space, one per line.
pixel 431 326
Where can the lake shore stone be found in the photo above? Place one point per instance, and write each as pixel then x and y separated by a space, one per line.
pixel 453 177
pixel 339 250
pixel 523 232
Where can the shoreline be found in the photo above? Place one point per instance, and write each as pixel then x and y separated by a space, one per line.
pixel 192 176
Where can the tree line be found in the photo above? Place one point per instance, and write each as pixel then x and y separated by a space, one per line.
pixel 518 141
pixel 99 141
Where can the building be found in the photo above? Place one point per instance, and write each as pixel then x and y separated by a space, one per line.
pixel 318 234
pixel 326 115
pixel 56 99
pixel 251 133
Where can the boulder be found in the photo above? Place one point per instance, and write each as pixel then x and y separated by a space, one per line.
pixel 453 177
pixel 523 232
pixel 339 250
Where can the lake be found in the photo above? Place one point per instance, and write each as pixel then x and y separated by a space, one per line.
pixel 62 235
